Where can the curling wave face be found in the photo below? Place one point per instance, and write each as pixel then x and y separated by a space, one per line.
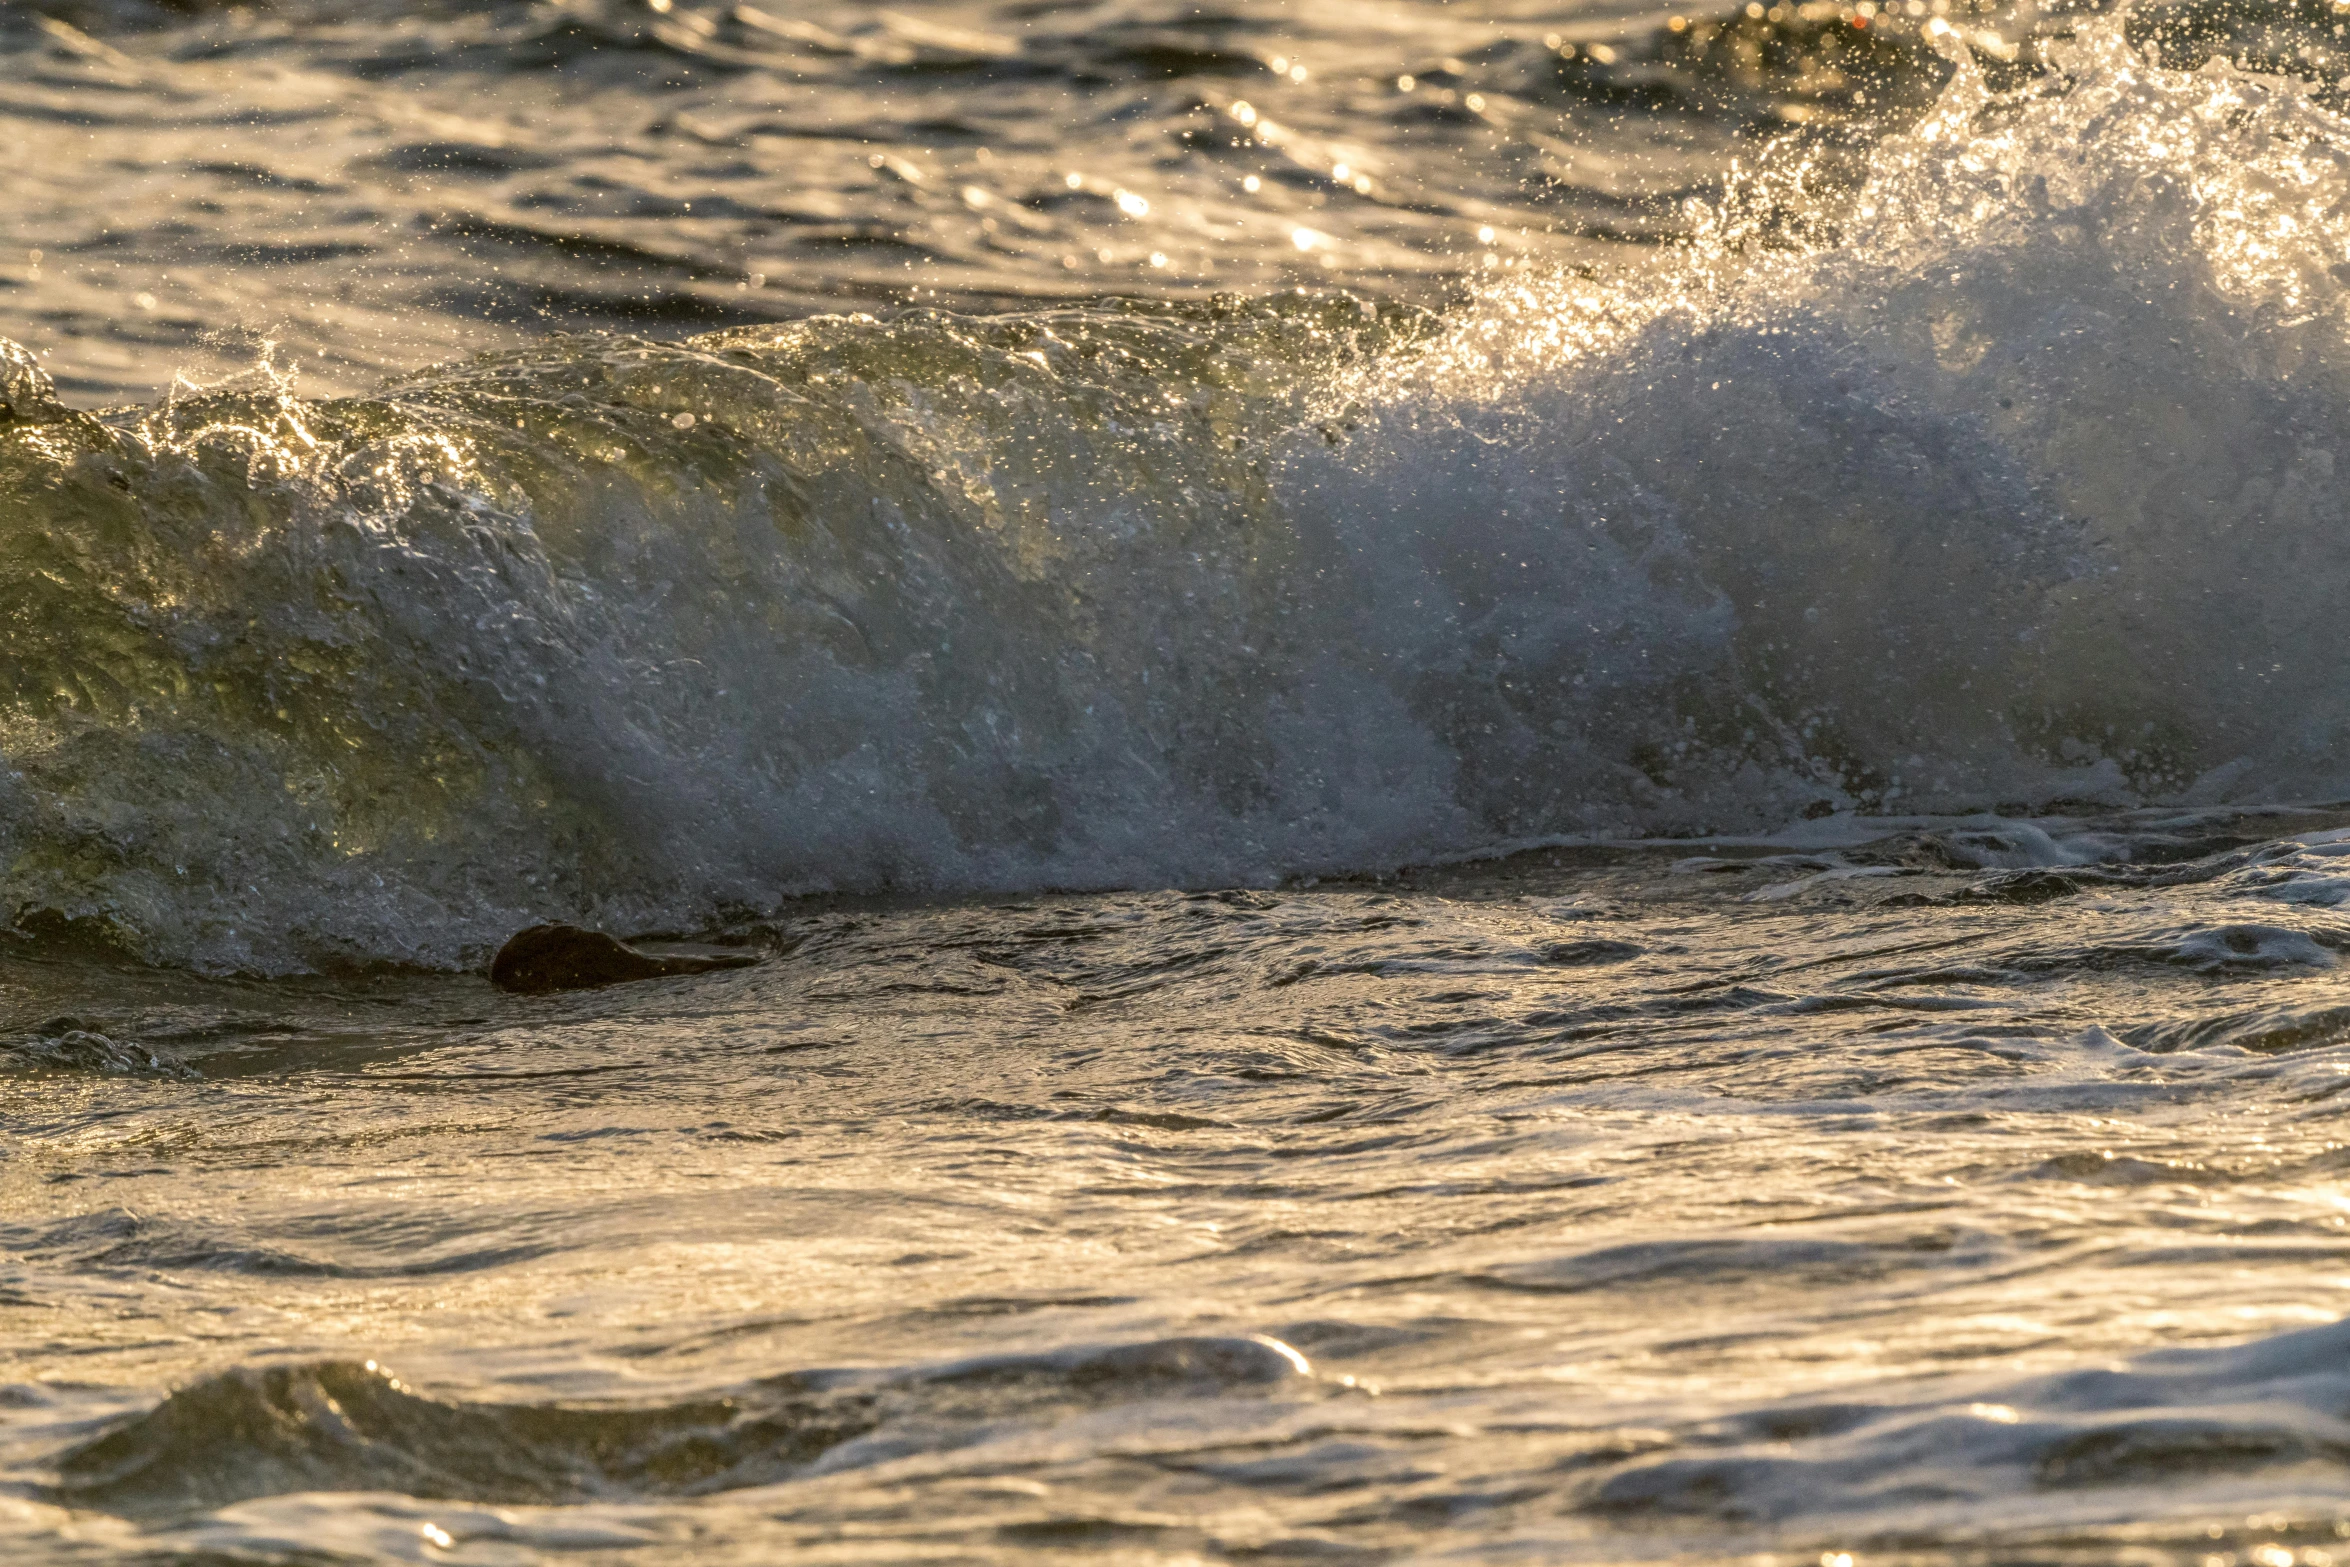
pixel 2006 476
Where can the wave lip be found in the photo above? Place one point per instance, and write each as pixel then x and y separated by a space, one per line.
pixel 344 1426
pixel 2188 1422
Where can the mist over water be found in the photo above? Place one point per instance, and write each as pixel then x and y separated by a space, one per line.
pixel 1726 622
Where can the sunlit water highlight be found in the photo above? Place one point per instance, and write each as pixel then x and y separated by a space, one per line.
pixel 1761 974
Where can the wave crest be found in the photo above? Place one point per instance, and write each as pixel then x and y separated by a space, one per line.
pixel 2007 475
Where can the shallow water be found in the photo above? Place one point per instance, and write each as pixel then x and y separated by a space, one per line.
pixel 1723 625
pixel 1599 1205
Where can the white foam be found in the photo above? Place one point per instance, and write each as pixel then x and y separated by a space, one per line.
pixel 2020 489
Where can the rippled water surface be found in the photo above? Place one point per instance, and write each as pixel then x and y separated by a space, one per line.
pixel 1514 782
pixel 372 184
pixel 1595 1206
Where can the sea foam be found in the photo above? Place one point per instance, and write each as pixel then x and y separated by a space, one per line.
pixel 2006 475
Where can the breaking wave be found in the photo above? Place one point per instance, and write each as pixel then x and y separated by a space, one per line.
pixel 2007 475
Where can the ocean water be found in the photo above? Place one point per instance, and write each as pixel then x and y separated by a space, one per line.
pixel 1517 782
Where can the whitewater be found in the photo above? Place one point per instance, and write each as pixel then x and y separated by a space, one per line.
pixel 1515 784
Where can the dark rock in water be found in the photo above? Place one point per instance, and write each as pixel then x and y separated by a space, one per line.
pixel 27 395
pixel 566 957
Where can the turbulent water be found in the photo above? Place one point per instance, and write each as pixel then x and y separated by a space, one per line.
pixel 1726 625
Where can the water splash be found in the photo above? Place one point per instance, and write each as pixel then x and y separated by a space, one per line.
pixel 2004 475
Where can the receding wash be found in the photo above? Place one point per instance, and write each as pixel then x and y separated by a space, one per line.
pixel 1159 783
